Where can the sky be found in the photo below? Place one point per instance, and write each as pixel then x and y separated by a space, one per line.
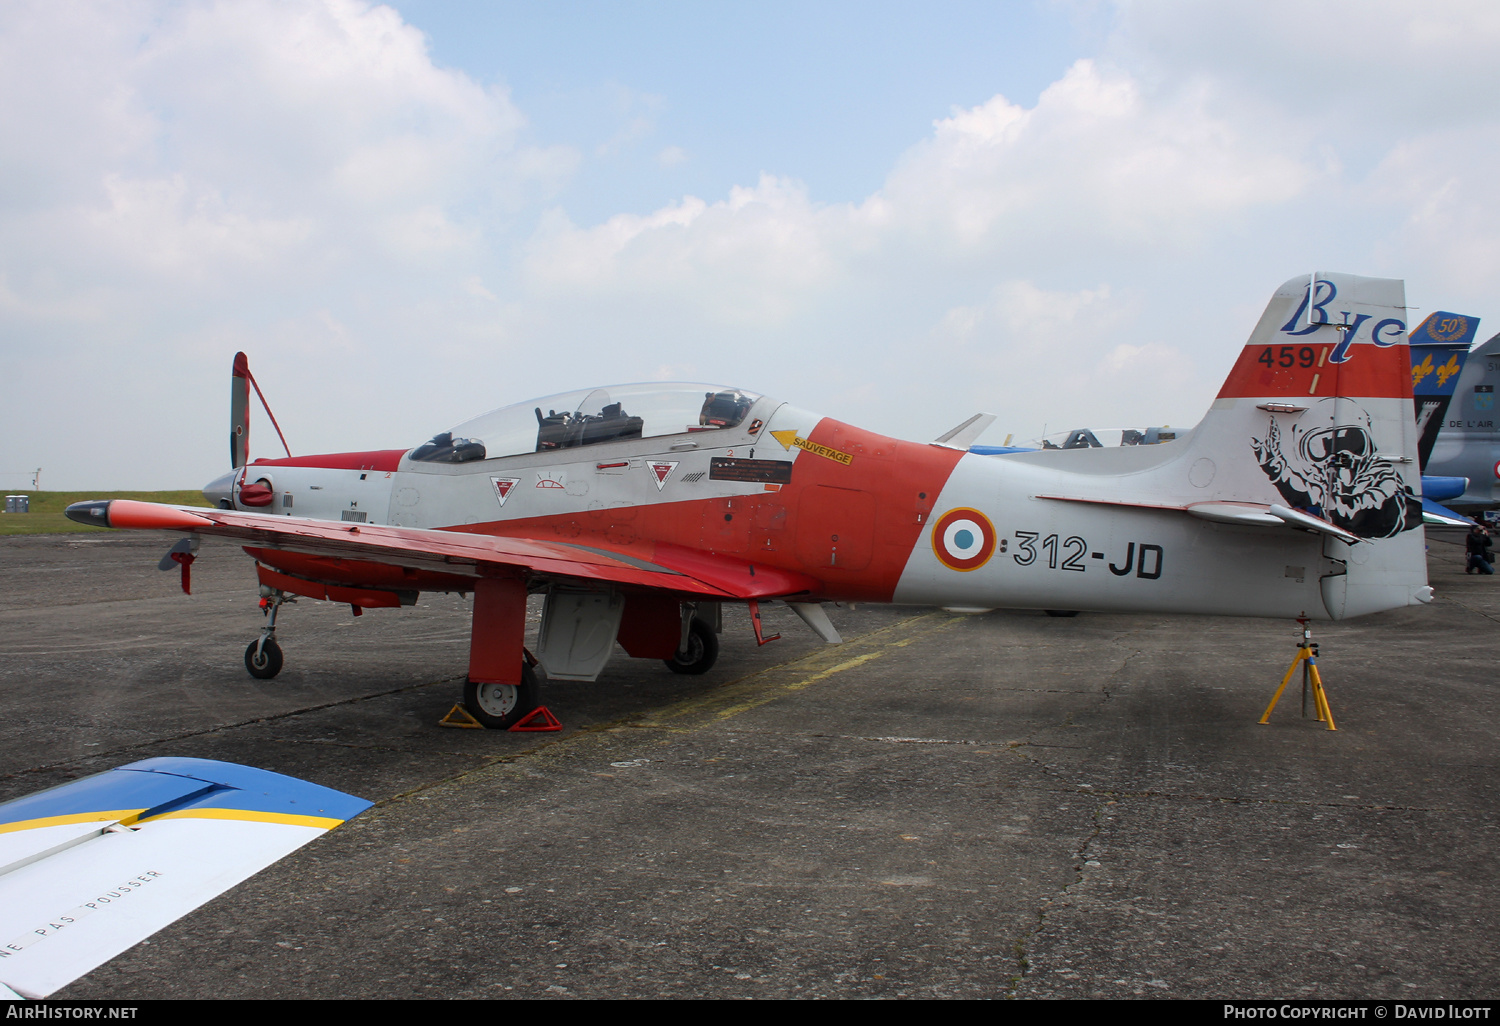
pixel 1062 213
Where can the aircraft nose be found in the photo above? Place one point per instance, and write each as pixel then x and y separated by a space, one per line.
pixel 220 491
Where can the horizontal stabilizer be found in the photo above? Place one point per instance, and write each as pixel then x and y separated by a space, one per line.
pixel 1297 518
pixel 97 865
pixel 999 450
pixel 1250 514
pixel 1444 488
pixel 1244 514
pixel 1437 515
pixel 964 435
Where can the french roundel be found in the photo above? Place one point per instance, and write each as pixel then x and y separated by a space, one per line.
pixel 963 539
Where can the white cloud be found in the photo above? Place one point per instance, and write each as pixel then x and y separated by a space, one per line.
pixel 1443 190
pixel 1093 175
pixel 1344 67
pixel 299 179
pixel 749 259
pixel 181 175
pixel 1091 166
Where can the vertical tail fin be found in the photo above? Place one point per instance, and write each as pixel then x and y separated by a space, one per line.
pixel 1439 347
pixel 1317 416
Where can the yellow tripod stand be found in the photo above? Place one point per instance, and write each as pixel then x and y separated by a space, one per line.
pixel 1307 658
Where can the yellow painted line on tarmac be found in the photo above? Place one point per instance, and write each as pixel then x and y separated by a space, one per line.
pixel 722 703
pixel 847 664
pixel 767 685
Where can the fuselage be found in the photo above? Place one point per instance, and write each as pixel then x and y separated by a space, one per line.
pixel 866 516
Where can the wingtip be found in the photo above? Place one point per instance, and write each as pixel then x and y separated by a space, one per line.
pixel 94 513
pixel 129 513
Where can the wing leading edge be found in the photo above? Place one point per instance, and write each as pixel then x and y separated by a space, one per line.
pixel 667 567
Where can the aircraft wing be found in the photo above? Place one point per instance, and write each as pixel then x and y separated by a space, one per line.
pixel 97 865
pixel 667 567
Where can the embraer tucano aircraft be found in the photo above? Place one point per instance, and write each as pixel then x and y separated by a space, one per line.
pixel 638 510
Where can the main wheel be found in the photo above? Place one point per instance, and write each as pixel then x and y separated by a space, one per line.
pixel 502 706
pixel 266 663
pixel 701 653
pixel 1061 612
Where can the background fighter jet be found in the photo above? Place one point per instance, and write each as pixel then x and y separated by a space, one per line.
pixel 638 510
pixel 1468 446
pixel 1439 351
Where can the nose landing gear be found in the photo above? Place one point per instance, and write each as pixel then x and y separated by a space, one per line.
pixel 263 658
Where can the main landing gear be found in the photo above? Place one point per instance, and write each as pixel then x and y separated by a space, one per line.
pixel 700 651
pixel 502 706
pixel 263 658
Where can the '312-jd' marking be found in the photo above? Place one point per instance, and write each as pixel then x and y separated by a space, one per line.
pixel 1144 559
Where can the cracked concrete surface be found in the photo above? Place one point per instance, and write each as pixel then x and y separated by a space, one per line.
pixel 1004 805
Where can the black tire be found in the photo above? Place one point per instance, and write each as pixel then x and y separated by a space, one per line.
pixel 268 664
pixel 502 706
pixel 1061 612
pixel 701 653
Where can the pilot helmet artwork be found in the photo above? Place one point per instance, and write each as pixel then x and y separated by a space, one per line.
pixel 1341 451
pixel 1335 470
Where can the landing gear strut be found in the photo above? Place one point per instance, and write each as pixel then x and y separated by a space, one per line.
pixel 263 658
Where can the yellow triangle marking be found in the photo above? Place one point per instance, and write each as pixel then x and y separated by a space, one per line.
pixel 785 438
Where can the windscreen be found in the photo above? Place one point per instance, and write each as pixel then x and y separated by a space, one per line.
pixel 590 417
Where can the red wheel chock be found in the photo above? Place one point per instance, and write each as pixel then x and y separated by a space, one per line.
pixel 538 720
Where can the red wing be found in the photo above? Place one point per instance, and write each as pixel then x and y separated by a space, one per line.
pixel 673 568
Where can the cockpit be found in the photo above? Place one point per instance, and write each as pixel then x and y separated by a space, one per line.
pixel 590 417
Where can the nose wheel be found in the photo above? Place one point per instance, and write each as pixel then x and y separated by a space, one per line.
pixel 263 658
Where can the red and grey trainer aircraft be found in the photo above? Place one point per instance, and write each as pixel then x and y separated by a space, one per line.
pixel 639 510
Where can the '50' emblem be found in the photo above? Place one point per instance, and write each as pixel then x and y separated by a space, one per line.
pixel 963 539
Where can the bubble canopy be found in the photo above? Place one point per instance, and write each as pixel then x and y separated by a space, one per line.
pixel 588 417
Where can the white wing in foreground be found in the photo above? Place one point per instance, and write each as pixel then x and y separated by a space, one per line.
pixel 97 865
